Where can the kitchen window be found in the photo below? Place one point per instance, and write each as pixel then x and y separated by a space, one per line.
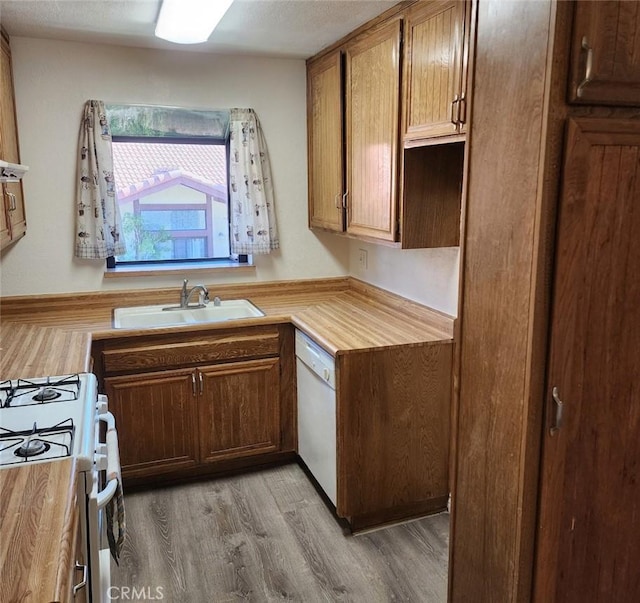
pixel 171 173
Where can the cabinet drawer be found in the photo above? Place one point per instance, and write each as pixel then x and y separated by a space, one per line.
pixel 165 354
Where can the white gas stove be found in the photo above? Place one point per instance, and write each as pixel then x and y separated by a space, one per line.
pixel 48 418
pixel 52 418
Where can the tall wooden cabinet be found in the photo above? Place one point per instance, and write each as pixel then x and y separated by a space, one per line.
pixel 13 224
pixel 549 295
pixel 590 492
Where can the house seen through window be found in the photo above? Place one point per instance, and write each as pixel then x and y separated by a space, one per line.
pixel 170 170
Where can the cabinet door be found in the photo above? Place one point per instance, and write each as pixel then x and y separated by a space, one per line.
pixel 605 55
pixel 372 120
pixel 14 202
pixel 588 544
pixel 239 409
pixel 324 122
pixel 433 68
pixel 155 415
pixel 8 128
pixel 5 230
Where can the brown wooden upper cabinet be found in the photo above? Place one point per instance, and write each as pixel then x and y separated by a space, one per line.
pixel 13 223
pixel 605 54
pixel 372 109
pixel 324 108
pixel 435 69
pixel 361 180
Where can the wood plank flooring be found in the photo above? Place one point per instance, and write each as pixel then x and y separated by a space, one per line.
pixel 268 536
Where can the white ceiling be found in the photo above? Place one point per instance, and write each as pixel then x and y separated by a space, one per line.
pixel 282 28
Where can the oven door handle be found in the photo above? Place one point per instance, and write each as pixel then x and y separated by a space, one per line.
pixel 113 461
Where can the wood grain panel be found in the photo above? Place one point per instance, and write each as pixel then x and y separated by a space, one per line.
pixel 432 196
pixel 37 519
pixel 188 351
pixel 155 416
pixel 288 390
pixel 432 67
pixel 492 542
pixel 372 115
pixel 239 409
pixel 32 351
pixel 8 126
pixel 590 496
pixel 324 134
pixel 393 431
pixel 610 29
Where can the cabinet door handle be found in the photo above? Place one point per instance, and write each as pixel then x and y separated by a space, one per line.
pixel 12 202
pixel 344 199
pixel 454 105
pixel 588 69
pixel 462 110
pixel 557 421
pixel 83 582
pixel 193 383
pixel 201 382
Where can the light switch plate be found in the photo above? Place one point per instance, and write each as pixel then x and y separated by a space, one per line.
pixel 363 258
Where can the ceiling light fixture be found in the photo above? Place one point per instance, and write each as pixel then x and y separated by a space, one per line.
pixel 189 21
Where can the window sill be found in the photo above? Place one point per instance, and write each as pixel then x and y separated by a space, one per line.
pixel 219 267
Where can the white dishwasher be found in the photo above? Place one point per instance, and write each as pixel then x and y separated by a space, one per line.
pixel 317 412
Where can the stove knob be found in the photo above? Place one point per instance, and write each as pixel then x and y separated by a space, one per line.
pixel 103 404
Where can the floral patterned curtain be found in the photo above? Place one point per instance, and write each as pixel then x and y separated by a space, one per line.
pixel 98 222
pixel 253 218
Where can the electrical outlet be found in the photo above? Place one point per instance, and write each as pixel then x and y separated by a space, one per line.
pixel 363 259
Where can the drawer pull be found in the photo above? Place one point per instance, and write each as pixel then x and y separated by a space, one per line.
pixel 454 105
pixel 559 404
pixel 588 69
pixel 83 582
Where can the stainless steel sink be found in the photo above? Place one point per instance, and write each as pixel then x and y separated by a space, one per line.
pixel 143 317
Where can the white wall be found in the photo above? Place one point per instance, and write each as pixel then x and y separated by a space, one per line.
pixel 428 276
pixel 53 79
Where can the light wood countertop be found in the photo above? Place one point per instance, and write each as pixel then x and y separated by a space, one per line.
pixel 343 315
pixel 38 520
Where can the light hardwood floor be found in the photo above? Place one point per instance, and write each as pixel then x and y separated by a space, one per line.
pixel 268 536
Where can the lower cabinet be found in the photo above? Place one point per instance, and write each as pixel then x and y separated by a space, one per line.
pixel 156 418
pixel 238 409
pixel 214 413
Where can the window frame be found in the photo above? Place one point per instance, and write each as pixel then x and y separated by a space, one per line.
pixel 202 140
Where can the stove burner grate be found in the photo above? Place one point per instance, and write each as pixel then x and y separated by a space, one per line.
pixel 25 393
pixel 46 394
pixel 30 443
pixel 32 448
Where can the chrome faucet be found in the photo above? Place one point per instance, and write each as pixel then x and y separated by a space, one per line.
pixel 185 296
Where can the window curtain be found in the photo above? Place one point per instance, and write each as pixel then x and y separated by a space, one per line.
pixel 98 222
pixel 253 218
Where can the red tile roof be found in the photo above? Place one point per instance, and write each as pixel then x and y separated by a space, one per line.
pixel 136 162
